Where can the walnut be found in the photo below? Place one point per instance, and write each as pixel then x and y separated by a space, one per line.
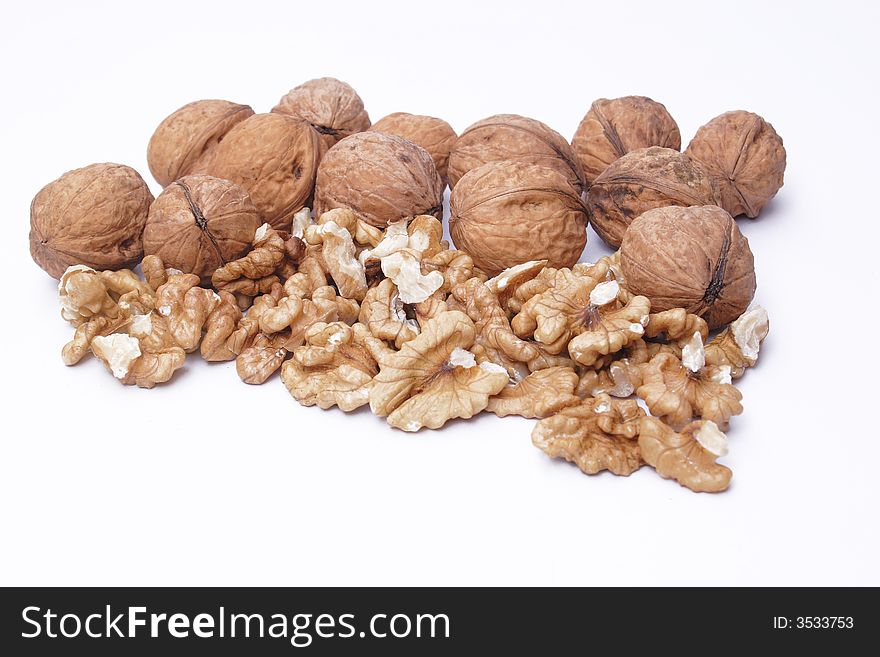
pixel 122 355
pixel 677 325
pixel 92 216
pixel 335 366
pixel 507 282
pixel 613 128
pixel 434 135
pixel 330 106
pixel 433 378
pixel 186 308
pixel 382 178
pixel 506 213
pixel 677 391
pixel 384 315
pixel 455 266
pixel 265 355
pixel 688 456
pixel 187 134
pixel 620 378
pixel 514 138
pixel 540 394
pixel 338 255
pixel 219 326
pixel 746 157
pixel 83 294
pixel 738 345
pixel 275 158
pixel 642 180
pixel 597 434
pixel 255 272
pixel 200 223
pixel 692 258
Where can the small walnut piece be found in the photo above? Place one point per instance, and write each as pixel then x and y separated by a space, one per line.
pixel 400 253
pixel 92 216
pixel 332 107
pixel 434 135
pixel 255 272
pixel 186 308
pixel 540 394
pixel 338 253
pixel 83 294
pixel 677 325
pixel 642 180
pixel 505 284
pixel 688 456
pixel 746 157
pixel 382 178
pixel 597 434
pixel 692 258
pixel 738 345
pixel 506 213
pixel 187 134
pixel 265 355
pixel 613 128
pixel 384 315
pixel 514 138
pixel 127 361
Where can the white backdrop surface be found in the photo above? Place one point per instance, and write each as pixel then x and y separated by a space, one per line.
pixel 210 481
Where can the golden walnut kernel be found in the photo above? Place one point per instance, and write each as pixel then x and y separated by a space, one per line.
pixel 692 258
pixel 507 213
pixel 514 138
pixel 540 394
pixel 121 354
pixel 597 434
pixel 382 178
pixel 275 158
pixel 255 272
pixel 746 157
pixel 433 378
pixel 738 345
pixel 642 180
pixel 92 216
pixel 688 456
pixel 385 315
pixel 187 134
pixel 612 128
pixel 200 223
pixel 433 134
pixel 330 106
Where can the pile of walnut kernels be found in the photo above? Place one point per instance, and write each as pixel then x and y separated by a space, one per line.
pixel 624 362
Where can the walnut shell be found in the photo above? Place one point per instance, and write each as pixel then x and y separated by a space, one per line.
pixel 382 178
pixel 517 138
pixel 642 180
pixel 433 134
pixel 200 223
pixel 187 134
pixel 275 158
pixel 693 258
pixel 330 106
pixel 746 157
pixel 91 216
pixel 612 128
pixel 507 213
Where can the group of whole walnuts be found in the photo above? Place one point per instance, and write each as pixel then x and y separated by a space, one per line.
pixel 365 303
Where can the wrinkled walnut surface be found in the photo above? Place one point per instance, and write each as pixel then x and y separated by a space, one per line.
pixel 433 134
pixel 332 107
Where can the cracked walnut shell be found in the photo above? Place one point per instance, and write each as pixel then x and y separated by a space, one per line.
pixel 433 134
pixel 199 223
pixel 693 258
pixel 332 107
pixel 506 213
pixel 92 216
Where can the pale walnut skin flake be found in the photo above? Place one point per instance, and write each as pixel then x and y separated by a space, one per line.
pixel 597 434
pixel 433 378
pixel 540 394
pixel 689 456
pixel 738 345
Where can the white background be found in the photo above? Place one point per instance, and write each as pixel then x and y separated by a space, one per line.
pixel 211 481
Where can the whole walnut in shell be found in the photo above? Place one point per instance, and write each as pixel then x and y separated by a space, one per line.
pixel 91 216
pixel 746 157
pixel 382 178
pixel 434 135
pixel 330 106
pixel 200 223
pixel 693 258
pixel 275 158
pixel 612 128
pixel 642 180
pixel 507 213
pixel 517 138
pixel 187 134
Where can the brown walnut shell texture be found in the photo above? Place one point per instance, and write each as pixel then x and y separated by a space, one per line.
pixel 694 258
pixel 200 223
pixel 187 134
pixel 745 155
pixel 642 180
pixel 507 213
pixel 614 127
pixel 382 178
pixel 517 138
pixel 332 107
pixel 92 216
pixel 433 134
pixel 275 158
